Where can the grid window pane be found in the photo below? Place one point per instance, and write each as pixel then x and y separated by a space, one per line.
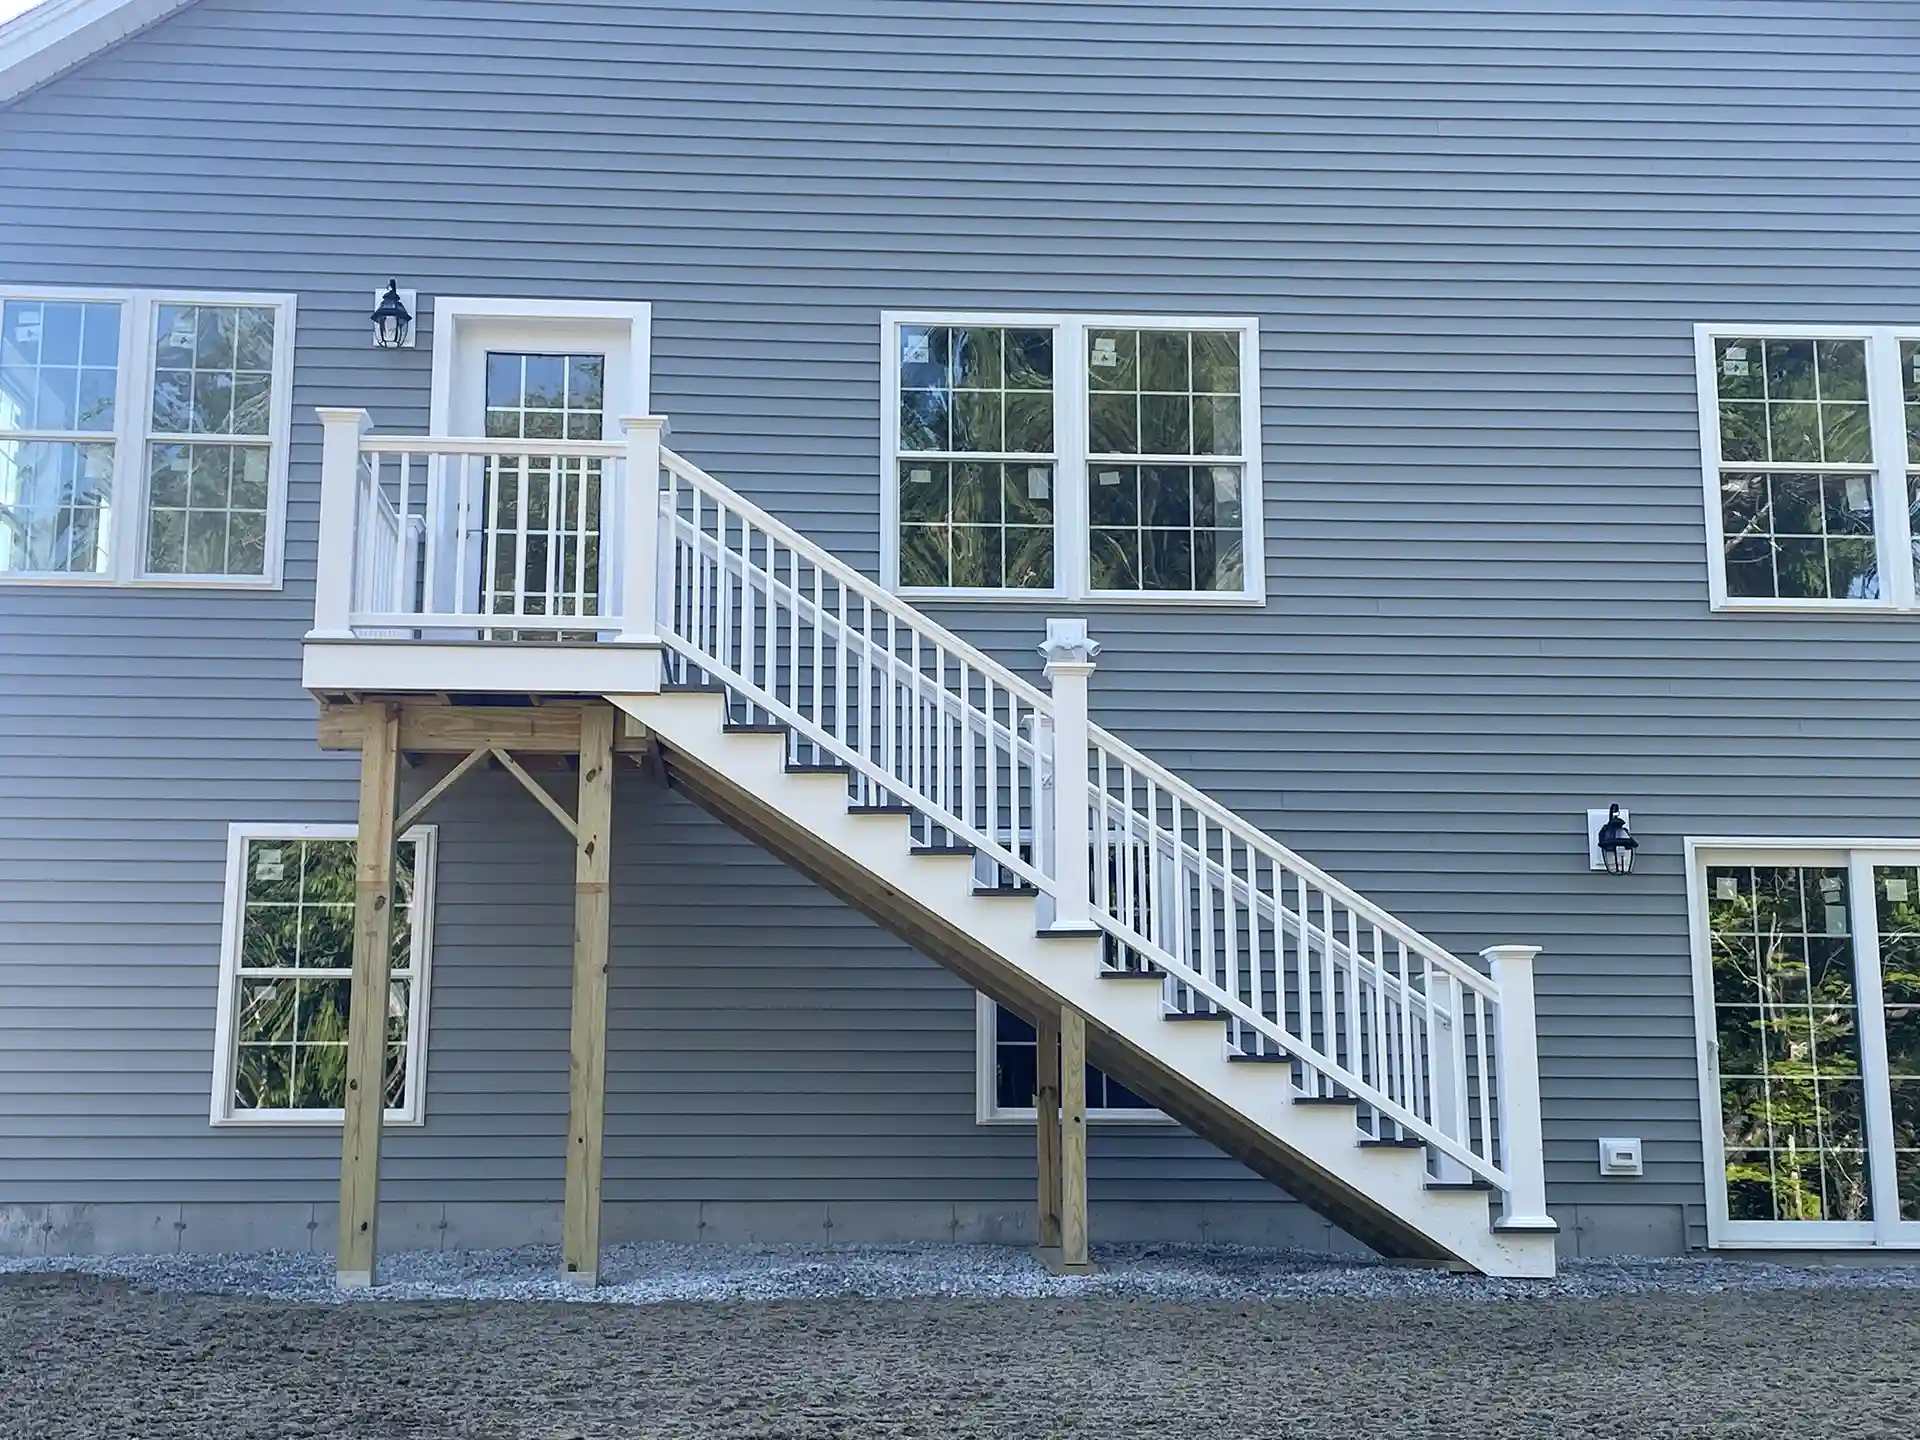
pixel 541 543
pixel 1787 1021
pixel 1016 1071
pixel 1166 528
pixel 1896 896
pixel 294 981
pixel 1807 535
pixel 213 370
pixel 1799 535
pixel 59 365
pixel 56 503
pixel 207 509
pixel 976 524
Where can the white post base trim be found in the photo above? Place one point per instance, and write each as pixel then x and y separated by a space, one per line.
pixel 353 1280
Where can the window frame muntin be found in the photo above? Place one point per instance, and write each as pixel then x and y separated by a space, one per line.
pixel 221 1112
pixel 133 419
pixel 1072 535
pixel 1893 533
pixel 986 1107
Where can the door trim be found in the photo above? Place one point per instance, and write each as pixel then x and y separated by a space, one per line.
pixel 1886 1230
pixel 449 311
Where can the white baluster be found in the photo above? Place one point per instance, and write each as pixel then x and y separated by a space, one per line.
pixel 340 432
pixel 639 549
pixel 1069 655
pixel 1517 1051
pixel 1447 1068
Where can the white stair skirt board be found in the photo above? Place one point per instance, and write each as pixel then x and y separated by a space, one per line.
pixel 1319 1142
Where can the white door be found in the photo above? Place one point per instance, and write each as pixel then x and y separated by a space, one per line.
pixel 529 526
pixel 1808 969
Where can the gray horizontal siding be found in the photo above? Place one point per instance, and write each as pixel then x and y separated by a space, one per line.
pixel 1475 236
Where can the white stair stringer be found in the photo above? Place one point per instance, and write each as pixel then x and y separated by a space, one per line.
pixel 1383 1194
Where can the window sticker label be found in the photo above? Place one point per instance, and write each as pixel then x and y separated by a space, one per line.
pixel 920 475
pixel 914 349
pixel 1726 887
pixel 1735 364
pixel 1037 482
pixel 1859 494
pixel 1109 477
pixel 1104 353
pixel 269 865
pixel 1895 890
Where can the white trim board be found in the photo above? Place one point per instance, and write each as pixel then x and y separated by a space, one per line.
pixel 450 312
pixel 57 35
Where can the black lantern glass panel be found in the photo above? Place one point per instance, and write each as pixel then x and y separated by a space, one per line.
pixel 392 321
pixel 1616 843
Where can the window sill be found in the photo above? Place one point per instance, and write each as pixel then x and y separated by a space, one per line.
pixel 150 582
pixel 1813 607
pixel 309 1120
pixel 1155 1118
pixel 1102 600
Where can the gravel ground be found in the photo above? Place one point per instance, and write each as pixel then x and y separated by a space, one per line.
pixel 952 1341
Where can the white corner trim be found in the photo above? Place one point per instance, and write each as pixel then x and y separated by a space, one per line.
pixel 57 35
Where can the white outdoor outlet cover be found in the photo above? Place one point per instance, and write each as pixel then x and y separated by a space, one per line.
pixel 1595 819
pixel 1620 1155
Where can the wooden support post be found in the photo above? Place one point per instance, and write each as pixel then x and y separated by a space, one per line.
pixel 593 871
pixel 1046 1105
pixel 1073 1141
pixel 365 1101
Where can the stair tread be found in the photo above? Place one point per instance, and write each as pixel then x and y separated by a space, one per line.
pixel 879 809
pixel 1393 1142
pixel 958 847
pixel 1273 1058
pixel 753 727
pixel 1021 892
pixel 1196 1015
pixel 1474 1184
pixel 810 767
pixel 1157 976
pixel 1326 1099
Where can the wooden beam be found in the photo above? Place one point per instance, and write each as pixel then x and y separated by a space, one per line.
pixel 1073 1140
pixel 420 807
pixel 539 792
pixel 1046 1105
pixel 365 1100
pixel 587 1065
pixel 427 727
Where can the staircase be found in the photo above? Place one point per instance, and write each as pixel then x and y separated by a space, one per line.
pixel 1300 1028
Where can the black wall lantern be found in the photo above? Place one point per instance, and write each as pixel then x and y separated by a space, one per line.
pixel 392 320
pixel 1616 843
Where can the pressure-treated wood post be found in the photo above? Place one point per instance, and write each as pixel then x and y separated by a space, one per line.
pixel 1046 1108
pixel 1069 655
pixel 1073 1140
pixel 1517 1073
pixel 587 1105
pixel 340 432
pixel 365 1101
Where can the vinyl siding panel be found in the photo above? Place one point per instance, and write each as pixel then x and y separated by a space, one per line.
pixel 1475 235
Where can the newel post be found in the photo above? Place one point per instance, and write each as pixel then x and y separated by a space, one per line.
pixel 1517 1059
pixel 340 432
pixel 639 568
pixel 1069 654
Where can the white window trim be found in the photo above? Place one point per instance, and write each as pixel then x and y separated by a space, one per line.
pixel 226 1053
pixel 1072 541
pixel 450 312
pixel 133 419
pixel 1886 1230
pixel 1892 532
pixel 986 1110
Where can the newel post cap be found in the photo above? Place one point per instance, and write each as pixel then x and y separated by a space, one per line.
pixel 1067 643
pixel 345 415
pixel 1510 955
pixel 631 423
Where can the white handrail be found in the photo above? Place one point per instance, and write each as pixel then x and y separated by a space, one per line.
pixel 1362 1003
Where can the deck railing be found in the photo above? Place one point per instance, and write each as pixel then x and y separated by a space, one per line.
pixel 512 540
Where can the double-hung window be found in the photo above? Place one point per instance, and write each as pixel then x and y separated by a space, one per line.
pixel 1072 456
pixel 143 436
pixel 1810 437
pixel 286 976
